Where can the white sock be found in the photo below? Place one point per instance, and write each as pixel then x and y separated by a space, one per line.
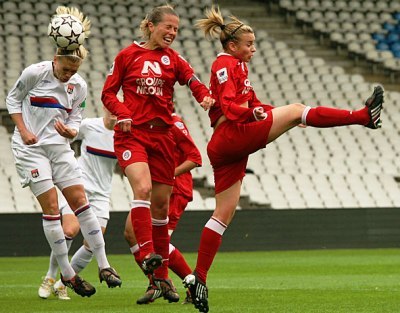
pixel 81 259
pixel 91 231
pixel 55 236
pixel 58 284
pixel 53 265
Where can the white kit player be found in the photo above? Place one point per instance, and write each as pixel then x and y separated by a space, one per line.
pixel 46 104
pixel 97 162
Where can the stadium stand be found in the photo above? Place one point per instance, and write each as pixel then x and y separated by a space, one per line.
pixel 368 29
pixel 349 167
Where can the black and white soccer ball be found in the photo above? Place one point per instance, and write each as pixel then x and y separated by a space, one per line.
pixel 66 31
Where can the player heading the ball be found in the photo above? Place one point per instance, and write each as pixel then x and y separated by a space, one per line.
pixel 68 30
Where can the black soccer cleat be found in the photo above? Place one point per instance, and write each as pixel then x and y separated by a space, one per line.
pixel 151 262
pixel 374 104
pixel 110 276
pixel 168 289
pixel 79 285
pixel 152 293
pixel 198 291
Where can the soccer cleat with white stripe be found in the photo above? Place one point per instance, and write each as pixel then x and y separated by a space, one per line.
pixel 374 105
pixel 168 289
pixel 152 293
pixel 46 287
pixel 198 291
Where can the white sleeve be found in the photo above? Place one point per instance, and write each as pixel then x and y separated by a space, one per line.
pixel 82 130
pixel 28 79
pixel 75 116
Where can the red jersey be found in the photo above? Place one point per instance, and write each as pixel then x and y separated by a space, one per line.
pixel 230 87
pixel 147 78
pixel 185 150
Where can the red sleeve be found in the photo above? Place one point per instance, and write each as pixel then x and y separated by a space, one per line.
pixel 186 144
pixel 257 103
pixel 112 86
pixel 226 90
pixel 186 76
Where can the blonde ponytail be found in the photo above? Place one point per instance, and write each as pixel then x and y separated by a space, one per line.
pixel 213 26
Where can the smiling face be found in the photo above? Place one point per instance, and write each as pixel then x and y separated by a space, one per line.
pixel 164 33
pixel 243 48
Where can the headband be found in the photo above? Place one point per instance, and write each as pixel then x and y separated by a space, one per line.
pixel 235 30
pixel 232 34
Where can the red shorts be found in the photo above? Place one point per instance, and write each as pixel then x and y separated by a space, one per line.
pixel 152 145
pixel 177 205
pixel 230 146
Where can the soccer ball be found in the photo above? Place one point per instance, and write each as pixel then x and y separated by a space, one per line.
pixel 66 31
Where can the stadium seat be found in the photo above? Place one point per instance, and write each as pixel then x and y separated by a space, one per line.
pixel 296 171
pixel 197 204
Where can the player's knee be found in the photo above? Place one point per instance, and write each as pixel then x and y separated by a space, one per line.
pixel 160 211
pixel 297 107
pixel 51 208
pixel 77 201
pixel 70 233
pixel 296 111
pixel 143 191
pixel 71 230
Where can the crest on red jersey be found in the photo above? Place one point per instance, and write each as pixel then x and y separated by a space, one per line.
pixel 222 75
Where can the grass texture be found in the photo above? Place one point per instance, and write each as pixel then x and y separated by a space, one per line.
pixel 320 281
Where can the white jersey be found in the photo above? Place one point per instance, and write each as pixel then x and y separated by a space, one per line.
pixel 42 99
pixel 97 160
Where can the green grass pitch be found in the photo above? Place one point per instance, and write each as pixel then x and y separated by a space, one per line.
pixel 320 281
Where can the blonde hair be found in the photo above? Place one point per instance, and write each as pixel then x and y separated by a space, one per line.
pixel 213 26
pixel 81 52
pixel 155 16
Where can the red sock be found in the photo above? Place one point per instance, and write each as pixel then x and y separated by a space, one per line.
pixel 329 117
pixel 161 246
pixel 210 241
pixel 141 222
pixel 178 264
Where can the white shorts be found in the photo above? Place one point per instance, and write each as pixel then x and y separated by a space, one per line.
pixel 53 162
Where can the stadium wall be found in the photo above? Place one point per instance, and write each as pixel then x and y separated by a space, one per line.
pixel 251 230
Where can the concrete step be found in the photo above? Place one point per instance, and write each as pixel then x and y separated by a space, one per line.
pixel 280 27
pixel 253 11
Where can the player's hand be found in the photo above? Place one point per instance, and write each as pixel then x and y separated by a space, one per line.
pixel 302 126
pixel 125 125
pixel 207 103
pixel 64 131
pixel 28 138
pixel 259 114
